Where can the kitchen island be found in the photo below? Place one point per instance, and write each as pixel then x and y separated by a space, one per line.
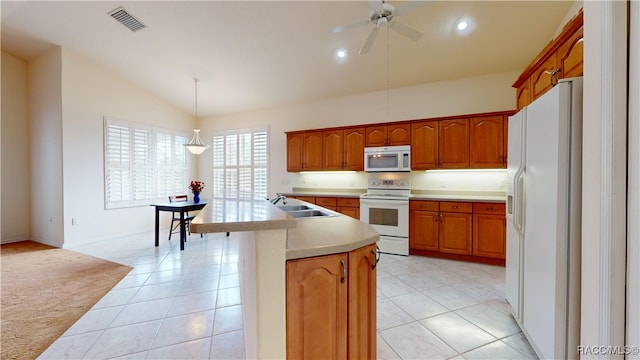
pixel 269 239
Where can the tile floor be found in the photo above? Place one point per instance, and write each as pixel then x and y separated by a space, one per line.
pixel 186 305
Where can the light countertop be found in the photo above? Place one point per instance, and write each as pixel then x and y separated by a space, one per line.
pixel 306 237
pixel 482 196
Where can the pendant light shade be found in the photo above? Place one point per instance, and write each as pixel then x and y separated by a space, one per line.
pixel 196 146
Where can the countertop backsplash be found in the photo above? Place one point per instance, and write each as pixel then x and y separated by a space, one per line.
pixel 481 180
pixel 446 181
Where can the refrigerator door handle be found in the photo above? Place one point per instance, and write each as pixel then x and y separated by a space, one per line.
pixel 518 206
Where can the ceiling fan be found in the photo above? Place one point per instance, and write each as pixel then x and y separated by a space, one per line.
pixel 382 14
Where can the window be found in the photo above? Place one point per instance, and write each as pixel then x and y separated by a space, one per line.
pixel 240 164
pixel 142 164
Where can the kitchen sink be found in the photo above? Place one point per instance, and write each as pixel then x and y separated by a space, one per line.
pixel 308 213
pixel 293 207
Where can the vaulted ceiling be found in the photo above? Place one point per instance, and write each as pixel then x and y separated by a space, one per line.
pixel 251 55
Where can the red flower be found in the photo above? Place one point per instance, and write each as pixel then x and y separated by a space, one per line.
pixel 196 186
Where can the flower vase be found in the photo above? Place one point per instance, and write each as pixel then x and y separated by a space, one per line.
pixel 196 197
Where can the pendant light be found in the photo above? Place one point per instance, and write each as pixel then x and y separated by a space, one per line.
pixel 196 146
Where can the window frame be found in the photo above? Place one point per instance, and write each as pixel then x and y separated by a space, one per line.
pixel 149 167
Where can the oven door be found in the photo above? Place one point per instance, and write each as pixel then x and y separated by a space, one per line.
pixel 387 217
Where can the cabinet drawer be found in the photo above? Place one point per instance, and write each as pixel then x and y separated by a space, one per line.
pixel 423 205
pixel 349 202
pixel 456 207
pixel 489 208
pixel 326 201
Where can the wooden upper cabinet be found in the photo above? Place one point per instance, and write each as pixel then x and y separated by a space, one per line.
pixel 544 77
pixel 523 94
pixel 486 148
pixel 294 152
pixel 312 150
pixel 424 145
pixel 570 55
pixel 333 149
pixel 453 144
pixel 388 135
pixel 354 149
pixel 561 58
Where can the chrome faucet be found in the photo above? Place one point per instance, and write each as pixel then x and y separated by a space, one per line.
pixel 278 198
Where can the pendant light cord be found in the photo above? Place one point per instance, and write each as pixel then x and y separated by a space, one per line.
pixel 387 72
pixel 196 81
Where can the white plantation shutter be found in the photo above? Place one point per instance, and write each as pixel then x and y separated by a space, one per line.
pixel 142 165
pixel 240 164
pixel 117 163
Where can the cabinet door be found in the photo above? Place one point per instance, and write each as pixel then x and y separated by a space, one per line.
pixel 455 233
pixel 362 303
pixel 333 143
pixel 294 152
pixel 317 307
pixel 570 55
pixel 398 134
pixel 312 151
pixel 541 78
pixel 423 230
pixel 424 145
pixel 486 142
pixel 489 237
pixel 350 211
pixel 454 143
pixel 375 136
pixel 523 94
pixel 354 149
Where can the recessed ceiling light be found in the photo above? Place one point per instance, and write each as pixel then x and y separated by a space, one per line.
pixel 341 55
pixel 465 26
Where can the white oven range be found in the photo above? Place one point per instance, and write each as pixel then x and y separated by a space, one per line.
pixel 385 207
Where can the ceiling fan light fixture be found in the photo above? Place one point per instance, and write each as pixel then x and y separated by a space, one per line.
pixel 196 146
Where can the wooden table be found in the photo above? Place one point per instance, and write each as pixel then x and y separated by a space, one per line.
pixel 179 206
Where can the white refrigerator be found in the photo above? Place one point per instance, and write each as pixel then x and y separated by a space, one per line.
pixel 544 219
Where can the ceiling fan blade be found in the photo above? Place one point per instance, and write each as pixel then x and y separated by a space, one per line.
pixel 410 7
pixel 376 5
pixel 342 28
pixel 367 44
pixel 405 30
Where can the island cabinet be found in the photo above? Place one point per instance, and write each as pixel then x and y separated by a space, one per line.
pixel 486 142
pixel 331 306
pixel 388 135
pixel 343 149
pixel 304 151
pixel 458 230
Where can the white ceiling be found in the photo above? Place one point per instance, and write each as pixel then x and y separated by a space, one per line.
pixel 253 55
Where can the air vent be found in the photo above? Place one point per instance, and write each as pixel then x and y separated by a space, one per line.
pixel 126 19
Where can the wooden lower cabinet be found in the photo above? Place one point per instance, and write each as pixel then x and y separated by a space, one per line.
pixel 349 207
pixel 458 230
pixel 331 306
pixel 489 237
pixel 455 233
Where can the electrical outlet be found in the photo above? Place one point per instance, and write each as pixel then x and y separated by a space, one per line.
pixel 443 184
pixel 75 221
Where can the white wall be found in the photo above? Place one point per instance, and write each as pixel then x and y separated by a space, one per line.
pixel 462 96
pixel 16 181
pixel 90 92
pixel 45 140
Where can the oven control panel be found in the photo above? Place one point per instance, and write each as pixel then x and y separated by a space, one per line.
pixel 388 184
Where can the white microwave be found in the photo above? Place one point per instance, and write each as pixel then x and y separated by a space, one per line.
pixel 387 158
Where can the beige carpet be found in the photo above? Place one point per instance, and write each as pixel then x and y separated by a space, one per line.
pixel 45 290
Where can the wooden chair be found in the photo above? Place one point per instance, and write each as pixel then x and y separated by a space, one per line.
pixel 175 217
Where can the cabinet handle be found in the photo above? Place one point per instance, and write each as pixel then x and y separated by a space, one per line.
pixel 344 271
pixel 376 257
pixel 491 209
pixel 456 207
pixel 440 217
